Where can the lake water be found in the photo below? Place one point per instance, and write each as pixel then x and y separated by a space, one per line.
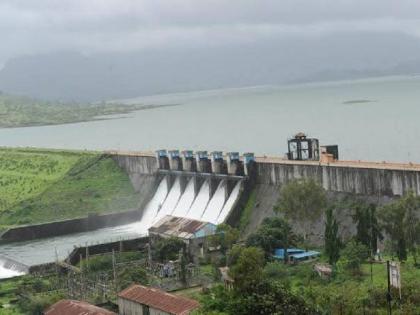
pixel 382 126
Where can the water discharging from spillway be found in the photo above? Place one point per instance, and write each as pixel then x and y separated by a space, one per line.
pixel 229 203
pixel 200 202
pixel 185 201
pixel 155 204
pixel 171 201
pixel 216 203
pixel 9 269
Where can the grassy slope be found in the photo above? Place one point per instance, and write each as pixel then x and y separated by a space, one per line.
pixel 41 186
pixel 352 291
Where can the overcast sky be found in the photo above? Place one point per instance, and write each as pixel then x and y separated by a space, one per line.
pixel 28 27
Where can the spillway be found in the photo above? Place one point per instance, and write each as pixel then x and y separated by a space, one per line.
pixel 9 273
pixel 200 202
pixel 157 201
pixel 185 201
pixel 171 200
pixel 216 203
pixel 10 268
pixel 229 203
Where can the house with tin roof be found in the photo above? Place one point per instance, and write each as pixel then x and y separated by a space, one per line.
pixel 73 307
pixel 193 232
pixel 141 300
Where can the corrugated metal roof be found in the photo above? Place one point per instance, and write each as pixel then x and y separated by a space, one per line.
pixel 73 307
pixel 179 227
pixel 159 299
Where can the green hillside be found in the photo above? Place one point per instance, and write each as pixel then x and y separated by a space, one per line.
pixel 17 111
pixel 39 186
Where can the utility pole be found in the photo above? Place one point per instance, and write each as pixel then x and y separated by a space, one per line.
pixel 113 269
pixel 388 296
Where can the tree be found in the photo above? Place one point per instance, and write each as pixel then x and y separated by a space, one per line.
pixel 168 248
pixel 401 222
pixel 267 298
pixel 248 269
pixel 302 201
pixel 225 237
pixel 412 223
pixel 130 275
pixel 353 255
pixel 332 240
pixel 273 233
pixel 368 230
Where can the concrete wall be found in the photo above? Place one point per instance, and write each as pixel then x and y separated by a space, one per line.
pixel 133 164
pixel 90 223
pixel 124 245
pixel 355 180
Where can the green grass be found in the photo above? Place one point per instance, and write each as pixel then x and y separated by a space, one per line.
pixel 41 185
pixel 354 293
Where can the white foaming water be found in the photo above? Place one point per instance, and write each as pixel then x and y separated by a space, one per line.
pixel 9 273
pixel 171 200
pixel 153 206
pixel 200 202
pixel 216 203
pixel 186 200
pixel 229 203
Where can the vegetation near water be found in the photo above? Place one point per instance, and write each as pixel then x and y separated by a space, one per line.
pixel 19 111
pixel 44 185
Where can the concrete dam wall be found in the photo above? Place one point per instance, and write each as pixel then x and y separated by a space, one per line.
pixel 339 177
pixel 372 182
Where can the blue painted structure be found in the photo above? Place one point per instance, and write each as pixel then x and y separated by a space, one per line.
pixel 188 154
pixel 173 153
pixel 202 155
pixel 161 153
pixel 234 156
pixel 295 254
pixel 249 157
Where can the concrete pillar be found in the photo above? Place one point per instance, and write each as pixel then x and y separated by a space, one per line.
pixel 214 182
pixel 203 162
pixel 162 158
pixel 188 161
pixel 175 163
pixel 217 162
pixel 233 163
pixel 249 162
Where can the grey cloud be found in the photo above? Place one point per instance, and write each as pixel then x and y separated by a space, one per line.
pixel 28 27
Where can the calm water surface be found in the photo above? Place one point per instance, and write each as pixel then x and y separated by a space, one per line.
pixel 258 120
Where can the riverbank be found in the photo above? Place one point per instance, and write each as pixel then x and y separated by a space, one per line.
pixel 19 111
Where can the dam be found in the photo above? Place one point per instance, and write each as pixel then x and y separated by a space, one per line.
pixel 213 187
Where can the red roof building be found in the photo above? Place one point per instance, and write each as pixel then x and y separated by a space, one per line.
pixel 73 307
pixel 141 300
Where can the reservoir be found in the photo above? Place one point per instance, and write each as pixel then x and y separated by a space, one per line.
pixel 371 119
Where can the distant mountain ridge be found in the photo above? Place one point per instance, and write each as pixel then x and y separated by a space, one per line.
pixel 70 76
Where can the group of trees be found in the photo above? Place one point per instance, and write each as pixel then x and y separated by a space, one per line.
pixel 303 203
pixel 254 291
pixel 261 285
